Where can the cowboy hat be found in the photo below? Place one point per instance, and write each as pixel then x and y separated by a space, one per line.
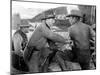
pixel 28 25
pixel 48 17
pixel 48 14
pixel 74 13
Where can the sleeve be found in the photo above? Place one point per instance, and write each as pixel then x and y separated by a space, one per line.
pixel 51 35
pixel 17 40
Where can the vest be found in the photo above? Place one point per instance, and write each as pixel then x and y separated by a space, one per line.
pixel 18 61
pixel 25 40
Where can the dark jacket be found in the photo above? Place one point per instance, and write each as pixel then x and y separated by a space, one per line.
pixel 81 34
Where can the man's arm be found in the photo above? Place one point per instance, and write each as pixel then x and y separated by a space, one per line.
pixel 17 40
pixel 52 36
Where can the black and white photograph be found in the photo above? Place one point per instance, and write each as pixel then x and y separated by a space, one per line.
pixel 52 37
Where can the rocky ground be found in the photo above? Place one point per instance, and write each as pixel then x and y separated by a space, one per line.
pixel 71 66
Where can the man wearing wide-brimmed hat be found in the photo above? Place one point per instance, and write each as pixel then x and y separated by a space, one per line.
pixel 19 41
pixel 20 37
pixel 38 42
pixel 80 33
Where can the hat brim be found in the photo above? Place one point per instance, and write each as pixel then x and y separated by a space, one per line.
pixel 73 16
pixel 25 25
pixel 48 18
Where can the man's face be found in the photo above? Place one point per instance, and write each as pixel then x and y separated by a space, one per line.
pixel 50 21
pixel 72 20
pixel 26 29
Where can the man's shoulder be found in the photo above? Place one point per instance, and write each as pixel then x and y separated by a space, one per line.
pixel 78 25
pixel 40 25
pixel 84 24
pixel 17 34
pixel 71 27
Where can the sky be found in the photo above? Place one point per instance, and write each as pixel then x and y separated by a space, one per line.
pixel 30 9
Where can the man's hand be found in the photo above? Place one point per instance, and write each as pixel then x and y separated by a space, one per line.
pixel 19 52
pixel 66 47
pixel 69 42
